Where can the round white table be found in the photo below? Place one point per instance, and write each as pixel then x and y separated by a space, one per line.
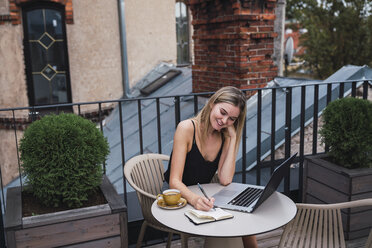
pixel 275 212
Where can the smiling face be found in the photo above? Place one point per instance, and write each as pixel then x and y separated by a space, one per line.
pixel 223 115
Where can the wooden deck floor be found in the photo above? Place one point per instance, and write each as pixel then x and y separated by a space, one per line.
pixel 267 240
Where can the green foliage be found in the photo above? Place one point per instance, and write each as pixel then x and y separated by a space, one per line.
pixel 62 158
pixel 347 130
pixel 339 32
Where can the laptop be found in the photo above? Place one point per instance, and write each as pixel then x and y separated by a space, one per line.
pixel 247 197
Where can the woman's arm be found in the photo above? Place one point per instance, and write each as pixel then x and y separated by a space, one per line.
pixel 226 166
pixel 182 143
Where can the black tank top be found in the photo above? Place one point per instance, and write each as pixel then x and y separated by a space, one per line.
pixel 197 169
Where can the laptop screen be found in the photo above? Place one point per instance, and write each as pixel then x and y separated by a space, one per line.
pixel 275 180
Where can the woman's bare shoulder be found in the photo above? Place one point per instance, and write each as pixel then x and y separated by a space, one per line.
pixel 185 127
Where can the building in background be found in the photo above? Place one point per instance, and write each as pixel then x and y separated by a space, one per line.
pixel 71 51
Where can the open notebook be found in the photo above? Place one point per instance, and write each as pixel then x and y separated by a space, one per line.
pixel 200 217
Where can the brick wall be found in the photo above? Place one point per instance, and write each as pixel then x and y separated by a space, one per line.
pixel 234 43
pixel 15 16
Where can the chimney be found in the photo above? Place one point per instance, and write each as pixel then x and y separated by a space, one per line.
pixel 233 43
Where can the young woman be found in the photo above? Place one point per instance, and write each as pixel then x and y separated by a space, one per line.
pixel 208 143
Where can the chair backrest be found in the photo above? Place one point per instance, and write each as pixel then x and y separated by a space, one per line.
pixel 145 173
pixel 369 240
pixel 215 178
pixel 318 225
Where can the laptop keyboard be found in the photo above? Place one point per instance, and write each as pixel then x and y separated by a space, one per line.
pixel 246 197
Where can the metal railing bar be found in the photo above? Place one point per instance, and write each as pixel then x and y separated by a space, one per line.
pixel 302 138
pixel 273 126
pixel 329 98
pixel 122 152
pixel 3 197
pixel 2 231
pixel 288 129
pixel 315 119
pixel 33 114
pixel 196 109
pixel 342 90
pixel 244 155
pixel 329 93
pixel 177 113
pixel 100 116
pixel 140 125
pixel 259 120
pixel 353 89
pixel 158 124
pixel 79 109
pixel 365 90
pixel 101 128
pixel 17 150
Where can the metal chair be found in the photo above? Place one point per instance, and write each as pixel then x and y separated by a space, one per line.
pixel 319 225
pixel 145 173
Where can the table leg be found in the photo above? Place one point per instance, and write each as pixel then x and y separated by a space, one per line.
pixel 184 238
pixel 223 242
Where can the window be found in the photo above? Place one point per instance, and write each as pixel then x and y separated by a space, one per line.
pixel 182 30
pixel 45 52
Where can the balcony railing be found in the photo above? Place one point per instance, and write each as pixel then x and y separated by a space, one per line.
pixel 275 115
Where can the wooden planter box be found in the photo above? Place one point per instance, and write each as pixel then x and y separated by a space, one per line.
pixel 97 226
pixel 325 182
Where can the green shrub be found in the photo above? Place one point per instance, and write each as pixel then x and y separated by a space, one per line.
pixel 62 158
pixel 347 130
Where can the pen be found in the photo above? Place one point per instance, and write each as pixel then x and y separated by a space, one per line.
pixel 205 194
pixel 202 190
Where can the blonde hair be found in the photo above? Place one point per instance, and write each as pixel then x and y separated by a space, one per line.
pixel 228 94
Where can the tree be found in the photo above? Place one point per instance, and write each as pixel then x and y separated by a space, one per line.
pixel 339 32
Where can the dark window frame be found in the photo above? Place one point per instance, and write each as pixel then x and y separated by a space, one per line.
pixel 26 7
pixel 180 59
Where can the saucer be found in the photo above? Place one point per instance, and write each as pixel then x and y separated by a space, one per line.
pixel 181 203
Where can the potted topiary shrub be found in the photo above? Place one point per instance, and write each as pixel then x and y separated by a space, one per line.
pixel 344 173
pixel 62 157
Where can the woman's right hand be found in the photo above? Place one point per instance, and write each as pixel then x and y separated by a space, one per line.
pixel 202 203
pixel 230 131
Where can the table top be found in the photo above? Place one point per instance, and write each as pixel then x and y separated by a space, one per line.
pixel 275 212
